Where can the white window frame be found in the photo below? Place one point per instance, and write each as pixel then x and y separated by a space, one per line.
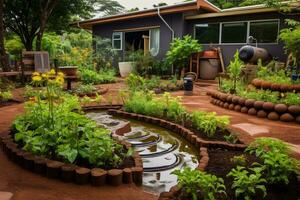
pixel 248 31
pixel 121 40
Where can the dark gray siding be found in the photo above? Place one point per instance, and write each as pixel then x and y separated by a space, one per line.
pixel 276 50
pixel 176 21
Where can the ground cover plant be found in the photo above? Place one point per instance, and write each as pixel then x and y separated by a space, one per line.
pixel 136 82
pixel 85 89
pixel 89 76
pixel 56 128
pixel 196 184
pixel 168 107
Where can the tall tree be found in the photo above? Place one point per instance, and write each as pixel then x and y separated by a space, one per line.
pixel 31 18
pixel 3 55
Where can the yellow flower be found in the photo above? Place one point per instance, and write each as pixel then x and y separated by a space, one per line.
pixel 61 74
pixel 36 78
pixel 52 72
pixel 59 80
pixel 45 76
pixel 35 74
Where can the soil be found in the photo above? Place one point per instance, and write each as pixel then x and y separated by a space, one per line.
pixel 220 165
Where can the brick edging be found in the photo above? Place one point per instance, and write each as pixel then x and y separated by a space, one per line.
pixel 260 109
pixel 73 173
pixel 189 135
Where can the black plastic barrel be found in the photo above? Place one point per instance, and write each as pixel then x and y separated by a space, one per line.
pixel 188 85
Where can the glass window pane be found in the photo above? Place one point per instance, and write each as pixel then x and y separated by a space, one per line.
pixel 264 31
pixel 117 36
pixel 207 33
pixel 234 32
pixel 117 44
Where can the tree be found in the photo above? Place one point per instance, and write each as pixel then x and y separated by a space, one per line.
pixel 31 18
pixel 159 5
pixel 4 61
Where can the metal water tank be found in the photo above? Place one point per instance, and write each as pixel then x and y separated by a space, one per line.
pixel 250 54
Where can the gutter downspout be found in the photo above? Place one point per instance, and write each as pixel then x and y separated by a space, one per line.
pixel 169 27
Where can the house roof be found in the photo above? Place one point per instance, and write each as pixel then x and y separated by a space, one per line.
pixel 177 8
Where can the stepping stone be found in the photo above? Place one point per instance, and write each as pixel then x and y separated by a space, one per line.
pixel 252 129
pixel 5 195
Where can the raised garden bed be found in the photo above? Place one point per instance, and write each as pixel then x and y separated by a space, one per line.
pixel 267 85
pixel 220 164
pixel 260 109
pixel 131 170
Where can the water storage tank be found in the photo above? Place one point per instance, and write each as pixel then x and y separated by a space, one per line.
pixel 250 54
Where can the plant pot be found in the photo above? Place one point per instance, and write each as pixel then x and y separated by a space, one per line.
pixel 68 70
pixel 126 68
pixel 209 68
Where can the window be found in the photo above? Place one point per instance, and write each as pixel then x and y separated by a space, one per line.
pixel 117 40
pixel 154 41
pixel 207 33
pixel 234 32
pixel 264 31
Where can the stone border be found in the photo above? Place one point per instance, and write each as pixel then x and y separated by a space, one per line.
pixel 267 85
pixel 261 109
pixel 93 94
pixel 189 135
pixel 73 173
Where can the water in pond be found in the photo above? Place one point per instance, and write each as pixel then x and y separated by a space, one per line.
pixel 161 150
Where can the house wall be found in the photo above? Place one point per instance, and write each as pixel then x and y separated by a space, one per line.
pixel 176 21
pixel 276 50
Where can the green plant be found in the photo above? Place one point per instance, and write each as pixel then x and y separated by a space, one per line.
pixel 194 181
pixel 239 160
pixel 85 89
pixel 277 164
pixel 209 122
pixel 262 145
pixel 89 76
pixel 291 39
pixel 232 138
pixel 247 183
pixel 180 51
pixel 234 70
pixel 5 95
pixel 278 167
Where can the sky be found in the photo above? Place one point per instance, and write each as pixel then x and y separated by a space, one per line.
pixel 128 4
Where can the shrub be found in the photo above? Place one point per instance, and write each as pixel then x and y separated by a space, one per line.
pixel 239 160
pixel 194 181
pixel 5 96
pixel 247 183
pixel 231 138
pixel 234 69
pixel 181 49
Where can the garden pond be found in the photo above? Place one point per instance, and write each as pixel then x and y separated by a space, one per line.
pixel 162 151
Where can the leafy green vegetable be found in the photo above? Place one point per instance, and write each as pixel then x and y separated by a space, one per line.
pixel 194 181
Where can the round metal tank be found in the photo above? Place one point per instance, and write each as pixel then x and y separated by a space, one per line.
pixel 250 54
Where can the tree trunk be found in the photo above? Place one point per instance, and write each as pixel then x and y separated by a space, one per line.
pixel 4 57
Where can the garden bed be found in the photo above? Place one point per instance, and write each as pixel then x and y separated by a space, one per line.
pixel 220 164
pixel 260 109
pixel 130 171
pixel 267 85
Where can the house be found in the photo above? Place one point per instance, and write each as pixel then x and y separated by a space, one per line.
pixel 153 29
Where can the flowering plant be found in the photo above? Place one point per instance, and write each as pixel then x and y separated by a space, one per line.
pixel 53 82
